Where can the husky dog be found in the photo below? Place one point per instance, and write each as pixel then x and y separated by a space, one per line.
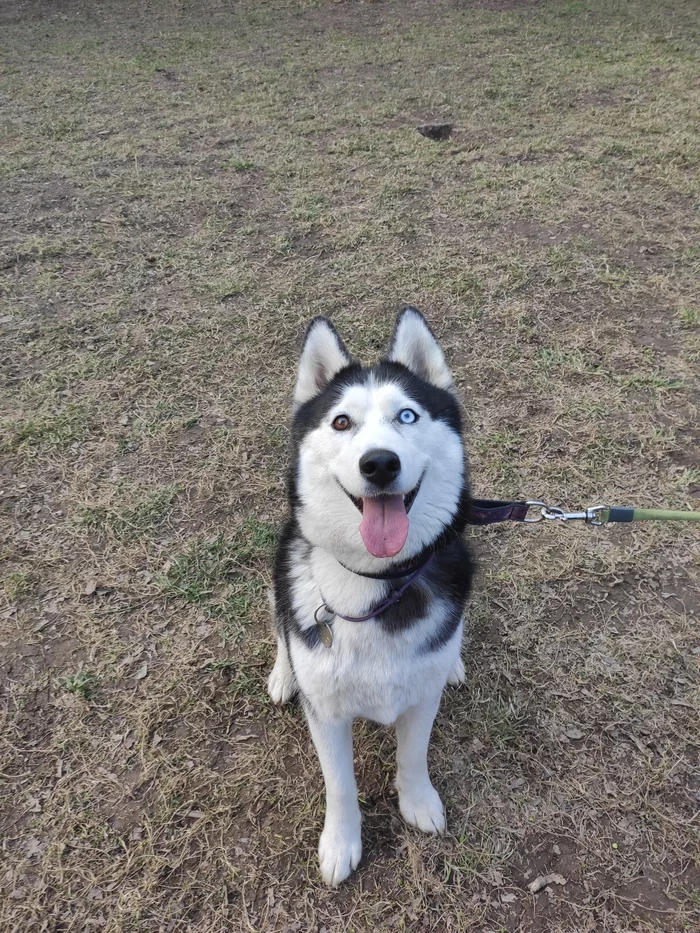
pixel 372 575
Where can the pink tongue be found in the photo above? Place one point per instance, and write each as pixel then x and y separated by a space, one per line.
pixel 384 526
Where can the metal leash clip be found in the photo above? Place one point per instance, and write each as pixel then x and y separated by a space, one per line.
pixel 555 514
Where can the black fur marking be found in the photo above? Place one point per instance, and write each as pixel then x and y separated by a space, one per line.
pixel 451 578
pixel 439 403
pixel 285 619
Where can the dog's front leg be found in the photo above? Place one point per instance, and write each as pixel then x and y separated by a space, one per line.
pixel 419 802
pixel 340 848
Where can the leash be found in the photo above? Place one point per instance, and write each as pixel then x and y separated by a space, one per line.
pixel 490 511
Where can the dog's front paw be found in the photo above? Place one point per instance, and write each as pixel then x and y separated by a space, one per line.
pixel 422 807
pixel 281 684
pixel 457 675
pixel 339 851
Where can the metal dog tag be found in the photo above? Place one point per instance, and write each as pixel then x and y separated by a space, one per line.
pixel 323 620
pixel 325 634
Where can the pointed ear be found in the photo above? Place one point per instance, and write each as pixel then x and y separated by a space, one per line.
pixel 414 346
pixel 322 357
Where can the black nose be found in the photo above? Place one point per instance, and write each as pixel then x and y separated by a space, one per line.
pixel 380 467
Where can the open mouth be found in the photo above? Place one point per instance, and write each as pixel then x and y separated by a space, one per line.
pixel 408 498
pixel 384 526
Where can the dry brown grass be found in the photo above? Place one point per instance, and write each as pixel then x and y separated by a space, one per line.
pixel 183 187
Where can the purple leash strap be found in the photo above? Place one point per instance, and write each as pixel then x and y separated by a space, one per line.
pixel 490 511
pixel 385 604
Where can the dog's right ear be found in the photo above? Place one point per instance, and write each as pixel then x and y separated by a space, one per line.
pixel 322 357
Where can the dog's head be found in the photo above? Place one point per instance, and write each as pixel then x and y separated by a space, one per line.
pixel 379 472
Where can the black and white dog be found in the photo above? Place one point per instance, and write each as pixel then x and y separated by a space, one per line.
pixel 372 574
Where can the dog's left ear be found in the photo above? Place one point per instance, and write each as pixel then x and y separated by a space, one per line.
pixel 322 357
pixel 414 346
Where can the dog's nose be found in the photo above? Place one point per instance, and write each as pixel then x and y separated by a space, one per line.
pixel 380 467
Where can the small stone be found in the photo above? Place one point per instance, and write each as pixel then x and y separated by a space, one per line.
pixel 437 131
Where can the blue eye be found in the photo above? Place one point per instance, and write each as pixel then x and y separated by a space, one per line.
pixel 407 416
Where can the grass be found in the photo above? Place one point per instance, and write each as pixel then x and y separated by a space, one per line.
pixel 17 584
pixel 182 190
pixel 82 685
pixel 132 522
pixel 53 430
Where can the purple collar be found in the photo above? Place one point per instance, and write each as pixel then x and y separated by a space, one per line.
pixel 385 604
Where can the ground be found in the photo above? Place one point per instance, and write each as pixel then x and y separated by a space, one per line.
pixel 183 186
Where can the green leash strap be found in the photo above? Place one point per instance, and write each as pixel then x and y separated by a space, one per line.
pixel 617 514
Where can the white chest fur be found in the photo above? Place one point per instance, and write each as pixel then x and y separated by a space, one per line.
pixel 367 672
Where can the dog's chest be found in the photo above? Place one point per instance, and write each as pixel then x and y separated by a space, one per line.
pixel 368 672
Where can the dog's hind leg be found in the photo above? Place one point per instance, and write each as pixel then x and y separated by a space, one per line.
pixel 340 846
pixel 419 802
pixel 281 684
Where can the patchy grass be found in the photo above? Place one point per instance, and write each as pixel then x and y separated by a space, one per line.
pixel 690 317
pixel 17 584
pixel 182 190
pixel 131 522
pixel 81 684
pixel 55 430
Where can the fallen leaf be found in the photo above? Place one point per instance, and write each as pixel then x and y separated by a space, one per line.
pixel 34 847
pixel 141 672
pixel 543 881
pixel 574 733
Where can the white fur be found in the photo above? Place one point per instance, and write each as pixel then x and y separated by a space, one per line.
pixel 367 674
pixel 370 673
pixel 281 684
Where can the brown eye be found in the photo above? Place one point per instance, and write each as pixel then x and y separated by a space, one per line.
pixel 341 423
